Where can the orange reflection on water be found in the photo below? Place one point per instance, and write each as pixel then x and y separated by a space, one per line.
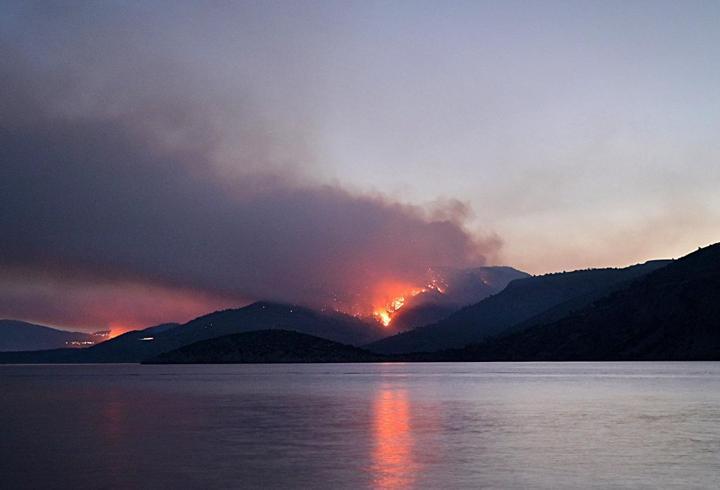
pixel 393 463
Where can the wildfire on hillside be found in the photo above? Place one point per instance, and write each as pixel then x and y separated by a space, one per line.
pixel 117 328
pixel 391 297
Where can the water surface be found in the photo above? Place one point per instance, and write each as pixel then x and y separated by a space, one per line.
pixel 384 426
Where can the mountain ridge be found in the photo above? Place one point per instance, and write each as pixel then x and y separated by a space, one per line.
pixel 672 313
pixel 18 335
pixel 517 304
pixel 138 345
pixel 460 288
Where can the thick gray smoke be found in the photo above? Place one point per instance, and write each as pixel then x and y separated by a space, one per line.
pixel 123 187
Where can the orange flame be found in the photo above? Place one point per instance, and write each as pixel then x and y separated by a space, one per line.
pixel 118 328
pixel 384 316
pixel 391 297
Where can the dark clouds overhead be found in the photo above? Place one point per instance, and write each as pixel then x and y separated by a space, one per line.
pixel 585 135
pixel 128 197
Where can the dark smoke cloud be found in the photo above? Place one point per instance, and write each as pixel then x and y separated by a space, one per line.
pixel 127 197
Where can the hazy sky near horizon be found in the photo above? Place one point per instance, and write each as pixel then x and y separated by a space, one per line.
pixel 549 135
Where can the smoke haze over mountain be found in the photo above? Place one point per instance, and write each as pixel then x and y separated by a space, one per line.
pixel 159 159
pixel 129 207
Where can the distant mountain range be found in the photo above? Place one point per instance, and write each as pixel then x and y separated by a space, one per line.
pixel 265 346
pixel 140 345
pixel 659 310
pixel 524 302
pixel 453 289
pixel 670 314
pixel 20 336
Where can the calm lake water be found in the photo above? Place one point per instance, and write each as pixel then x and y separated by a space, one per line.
pixel 385 426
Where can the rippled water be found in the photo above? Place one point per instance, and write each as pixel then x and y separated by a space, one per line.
pixel 495 425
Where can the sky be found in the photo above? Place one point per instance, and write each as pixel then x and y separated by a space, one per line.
pixel 159 160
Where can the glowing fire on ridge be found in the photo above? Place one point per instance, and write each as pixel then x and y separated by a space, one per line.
pixel 395 296
pixel 118 328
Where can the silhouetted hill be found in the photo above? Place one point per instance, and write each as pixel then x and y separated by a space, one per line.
pixel 160 328
pixel 22 336
pixel 670 314
pixel 453 289
pixel 265 346
pixel 468 286
pixel 140 345
pixel 424 314
pixel 523 303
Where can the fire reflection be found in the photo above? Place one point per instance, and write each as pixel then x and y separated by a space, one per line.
pixel 393 463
